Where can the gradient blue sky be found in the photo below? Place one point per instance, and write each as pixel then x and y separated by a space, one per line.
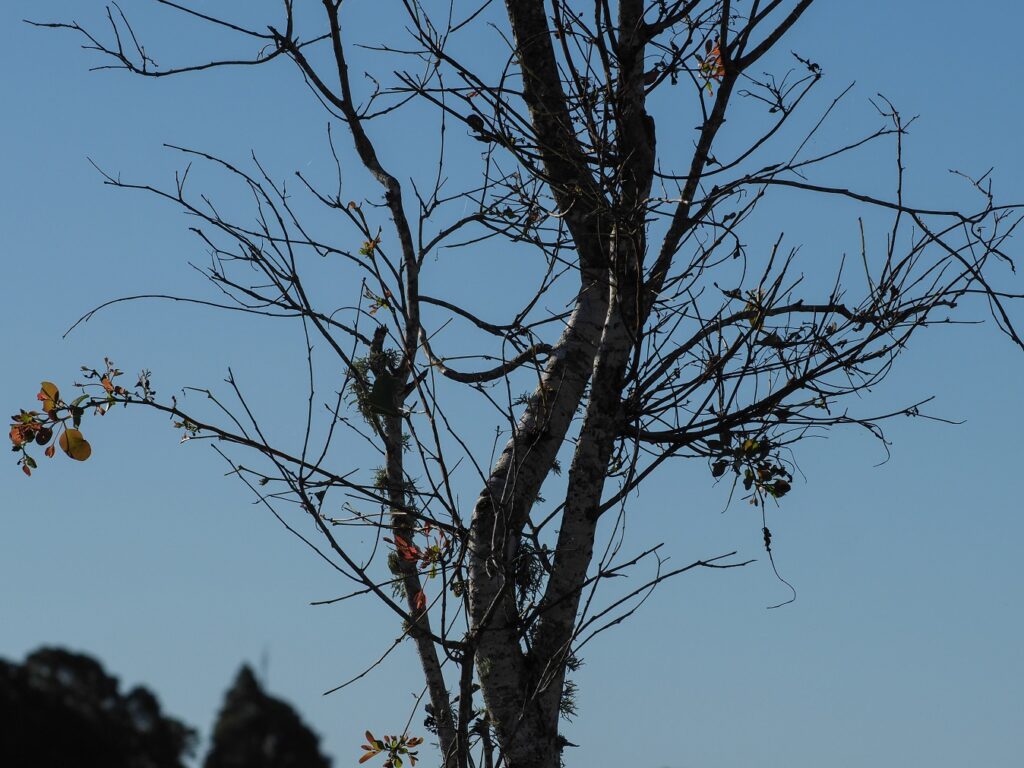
pixel 905 645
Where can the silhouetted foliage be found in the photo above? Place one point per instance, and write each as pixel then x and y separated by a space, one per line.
pixel 61 709
pixel 256 730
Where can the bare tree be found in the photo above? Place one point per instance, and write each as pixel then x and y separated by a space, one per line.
pixel 651 330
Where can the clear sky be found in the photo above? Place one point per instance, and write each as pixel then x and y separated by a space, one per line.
pixel 905 645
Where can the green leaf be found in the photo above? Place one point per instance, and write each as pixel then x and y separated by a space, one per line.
pixel 384 394
pixel 49 395
pixel 74 445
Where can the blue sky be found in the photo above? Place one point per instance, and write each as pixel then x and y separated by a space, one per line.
pixel 904 647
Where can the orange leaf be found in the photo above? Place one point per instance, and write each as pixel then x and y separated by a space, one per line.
pixel 74 445
pixel 367 756
pixel 715 64
pixel 419 601
pixel 18 436
pixel 50 451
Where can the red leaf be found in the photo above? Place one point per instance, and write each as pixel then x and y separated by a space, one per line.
pixel 419 601
pixel 26 470
pixel 405 549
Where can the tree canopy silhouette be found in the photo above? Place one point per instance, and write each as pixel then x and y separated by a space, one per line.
pixel 61 709
pixel 256 730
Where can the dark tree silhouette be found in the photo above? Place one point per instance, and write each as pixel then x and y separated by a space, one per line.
pixel 62 709
pixel 256 730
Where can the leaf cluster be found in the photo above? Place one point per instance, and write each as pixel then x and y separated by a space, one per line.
pixel 396 747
